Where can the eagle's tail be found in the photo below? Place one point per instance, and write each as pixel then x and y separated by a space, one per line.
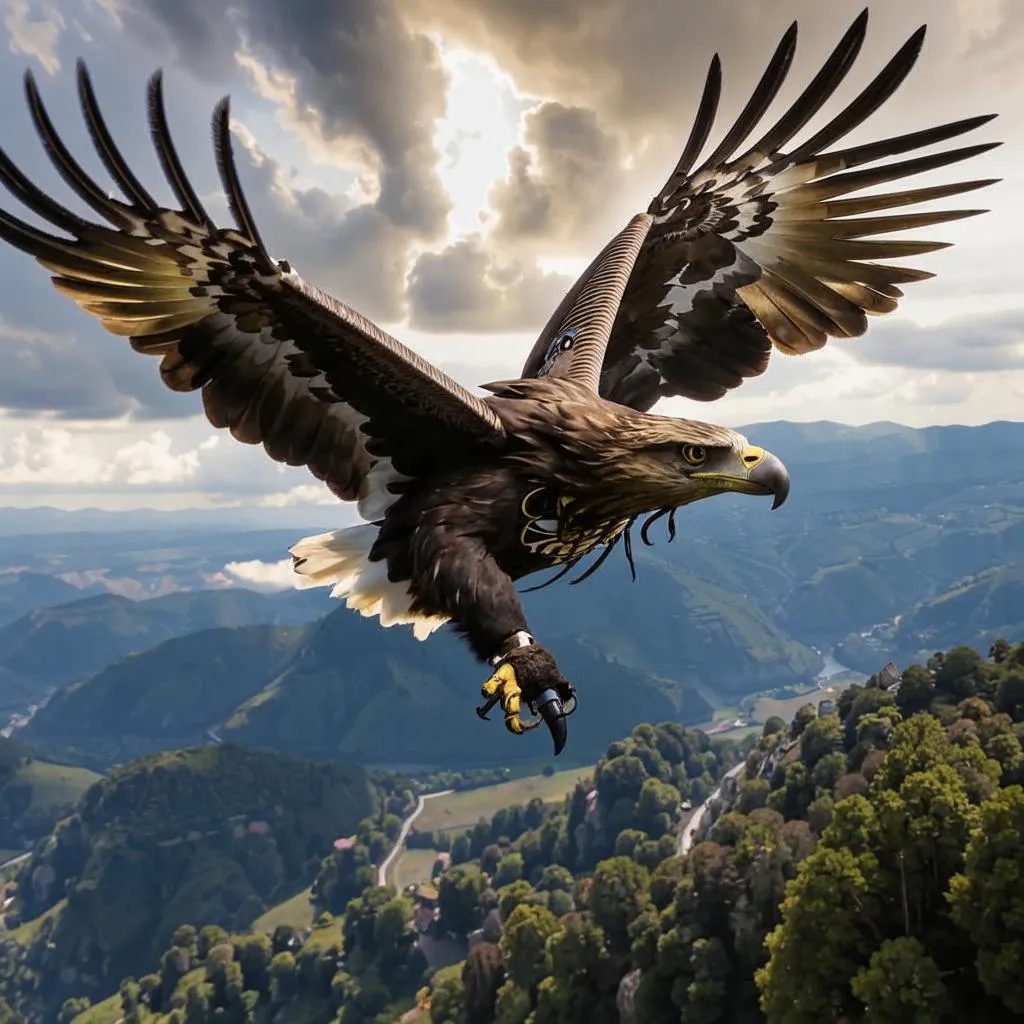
pixel 341 560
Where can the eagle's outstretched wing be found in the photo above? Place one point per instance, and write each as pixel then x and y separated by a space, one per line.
pixel 279 362
pixel 754 249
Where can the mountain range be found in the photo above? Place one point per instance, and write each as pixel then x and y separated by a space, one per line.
pixel 894 542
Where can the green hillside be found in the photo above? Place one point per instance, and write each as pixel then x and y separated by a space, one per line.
pixel 34 794
pixel 975 611
pixel 169 696
pixel 207 836
pixel 51 647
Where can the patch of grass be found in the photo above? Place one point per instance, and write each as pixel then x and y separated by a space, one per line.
pixel 54 785
pixel 329 935
pixel 727 712
pixel 411 866
pixel 737 734
pixel 296 912
pixel 461 810
pixel 786 709
pixel 26 933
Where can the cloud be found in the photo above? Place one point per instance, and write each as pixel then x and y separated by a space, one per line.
pixel 54 455
pixel 563 119
pixel 35 36
pixel 559 180
pixel 639 65
pixel 933 389
pixel 352 251
pixel 467 287
pixel 977 344
pixel 301 494
pixel 267 577
pixel 348 72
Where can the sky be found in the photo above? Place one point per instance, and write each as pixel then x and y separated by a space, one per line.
pixel 447 167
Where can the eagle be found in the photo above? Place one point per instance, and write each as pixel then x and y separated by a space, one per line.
pixel 753 248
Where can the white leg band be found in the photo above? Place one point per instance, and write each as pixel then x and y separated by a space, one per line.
pixel 518 639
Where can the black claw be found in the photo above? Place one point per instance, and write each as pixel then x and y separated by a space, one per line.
pixel 482 709
pixel 549 707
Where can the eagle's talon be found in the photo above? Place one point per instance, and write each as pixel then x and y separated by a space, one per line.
pixel 539 686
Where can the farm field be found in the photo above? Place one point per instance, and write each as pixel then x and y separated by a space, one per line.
pixel 297 912
pixel 410 867
pixel 463 810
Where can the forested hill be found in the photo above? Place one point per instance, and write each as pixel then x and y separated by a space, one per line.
pixel 202 836
pixel 866 868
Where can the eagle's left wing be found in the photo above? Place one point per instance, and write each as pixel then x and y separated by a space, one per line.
pixel 278 362
pixel 753 249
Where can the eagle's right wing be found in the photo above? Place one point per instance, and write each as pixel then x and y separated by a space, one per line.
pixel 279 362
pixel 758 248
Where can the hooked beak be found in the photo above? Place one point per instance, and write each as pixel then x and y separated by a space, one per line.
pixel 768 472
pixel 762 473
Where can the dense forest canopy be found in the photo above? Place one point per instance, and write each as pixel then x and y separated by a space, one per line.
pixel 866 868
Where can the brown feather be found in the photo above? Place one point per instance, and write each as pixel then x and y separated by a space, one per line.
pixel 759 246
pixel 279 362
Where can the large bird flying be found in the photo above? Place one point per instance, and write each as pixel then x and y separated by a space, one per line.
pixel 748 251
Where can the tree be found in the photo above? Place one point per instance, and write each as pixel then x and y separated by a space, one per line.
pixel 509 869
pixel 618 893
pixel 459 898
pixel 556 878
pixel 447 996
pixel 959 672
pixel 69 1010
pixel 1000 650
pixel 825 932
pixel 902 983
pixel 1010 694
pixel 254 953
pixel 656 809
pixel 461 848
pixel 620 778
pixel 283 978
pixel 988 899
pixel 822 736
pixel 482 975
pixel 805 714
pixel 512 895
pixel 916 692
pixel 774 725
pixel 753 795
pixel 524 945
pixel 584 979
pixel 197 1006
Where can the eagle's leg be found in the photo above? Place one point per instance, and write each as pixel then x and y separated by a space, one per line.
pixel 526 672
pixel 454 572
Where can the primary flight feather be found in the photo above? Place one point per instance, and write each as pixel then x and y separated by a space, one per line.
pixel 754 248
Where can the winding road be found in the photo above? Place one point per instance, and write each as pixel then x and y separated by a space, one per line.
pixel 689 833
pixel 382 871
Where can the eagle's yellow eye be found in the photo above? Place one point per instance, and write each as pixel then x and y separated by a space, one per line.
pixel 695 454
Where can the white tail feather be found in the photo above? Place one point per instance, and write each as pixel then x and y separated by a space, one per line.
pixel 341 561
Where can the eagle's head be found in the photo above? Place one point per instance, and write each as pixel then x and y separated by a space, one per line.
pixel 661 462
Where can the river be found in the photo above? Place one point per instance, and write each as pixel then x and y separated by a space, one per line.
pixel 833 668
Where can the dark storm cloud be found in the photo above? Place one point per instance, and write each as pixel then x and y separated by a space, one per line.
pixel 369 78
pixel 376 88
pixel 462 288
pixel 641 64
pixel 618 78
